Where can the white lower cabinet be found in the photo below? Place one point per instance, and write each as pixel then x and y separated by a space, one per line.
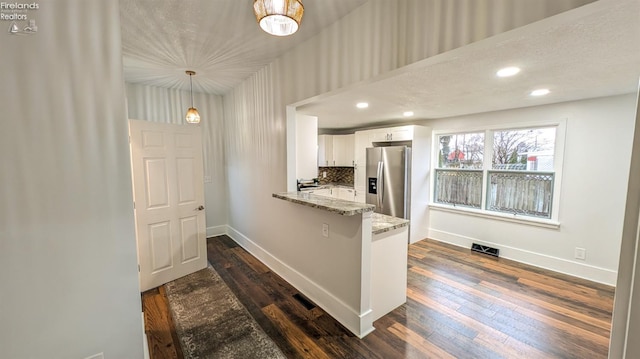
pixel 345 193
pixel 348 194
pixel 360 195
pixel 321 192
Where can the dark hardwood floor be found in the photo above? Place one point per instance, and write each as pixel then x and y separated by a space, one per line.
pixel 460 304
pixel 161 335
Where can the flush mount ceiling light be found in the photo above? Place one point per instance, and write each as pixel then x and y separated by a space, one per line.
pixel 407 113
pixel 192 114
pixel 540 92
pixel 508 71
pixel 278 17
pixel 362 105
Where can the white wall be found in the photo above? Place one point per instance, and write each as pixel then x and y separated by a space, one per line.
pixel 306 147
pixel 163 105
pixel 375 38
pixel 625 327
pixel 68 266
pixel 420 183
pixel 594 186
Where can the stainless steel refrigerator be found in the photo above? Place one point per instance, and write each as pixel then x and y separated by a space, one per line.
pixel 388 173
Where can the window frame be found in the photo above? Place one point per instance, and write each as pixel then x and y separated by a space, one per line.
pixel 558 160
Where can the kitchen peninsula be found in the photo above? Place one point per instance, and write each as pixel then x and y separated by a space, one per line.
pixel 353 262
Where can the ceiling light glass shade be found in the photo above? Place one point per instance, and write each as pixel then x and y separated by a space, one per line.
pixel 192 115
pixel 279 17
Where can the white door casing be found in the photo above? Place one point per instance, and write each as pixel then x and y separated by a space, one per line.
pixel 168 193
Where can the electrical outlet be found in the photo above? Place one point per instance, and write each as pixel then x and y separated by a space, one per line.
pixel 325 230
pixel 207 179
pixel 324 174
pixel 580 253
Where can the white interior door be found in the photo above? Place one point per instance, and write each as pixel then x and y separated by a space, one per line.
pixel 168 194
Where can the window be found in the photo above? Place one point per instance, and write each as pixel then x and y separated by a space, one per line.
pixel 510 171
pixel 459 176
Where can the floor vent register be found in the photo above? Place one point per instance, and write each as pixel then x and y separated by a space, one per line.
pixel 304 301
pixel 494 252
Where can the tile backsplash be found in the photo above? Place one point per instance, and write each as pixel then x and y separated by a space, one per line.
pixel 339 175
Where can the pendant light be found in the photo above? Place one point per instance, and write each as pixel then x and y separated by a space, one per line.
pixel 278 17
pixel 192 114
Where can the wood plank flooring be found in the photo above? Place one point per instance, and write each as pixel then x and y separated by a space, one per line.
pixel 460 304
pixel 161 334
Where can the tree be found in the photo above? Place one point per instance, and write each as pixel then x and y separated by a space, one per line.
pixel 507 145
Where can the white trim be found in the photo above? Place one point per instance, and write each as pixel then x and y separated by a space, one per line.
pixel 558 162
pixel 501 126
pixel 217 230
pixel 347 316
pixel 531 221
pixel 589 272
pixel 145 341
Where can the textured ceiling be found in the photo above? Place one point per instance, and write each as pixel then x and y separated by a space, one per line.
pixel 588 52
pixel 219 39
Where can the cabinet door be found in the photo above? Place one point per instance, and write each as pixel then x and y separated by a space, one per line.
pixel 401 133
pixel 380 135
pixel 325 150
pixel 335 192
pixel 323 192
pixel 338 150
pixel 349 150
pixel 346 194
pixel 362 141
pixel 343 150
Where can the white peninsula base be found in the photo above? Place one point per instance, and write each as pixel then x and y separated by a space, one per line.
pixel 356 271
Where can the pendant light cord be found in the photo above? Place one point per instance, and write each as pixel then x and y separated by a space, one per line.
pixel 191 82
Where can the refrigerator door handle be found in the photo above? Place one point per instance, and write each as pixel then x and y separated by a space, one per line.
pixel 380 185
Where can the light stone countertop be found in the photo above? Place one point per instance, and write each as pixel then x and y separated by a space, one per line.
pixel 339 206
pixel 380 223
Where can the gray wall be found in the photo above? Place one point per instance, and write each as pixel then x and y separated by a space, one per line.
pixel 68 267
pixel 163 105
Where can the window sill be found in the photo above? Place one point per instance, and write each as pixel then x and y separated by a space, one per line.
pixel 538 222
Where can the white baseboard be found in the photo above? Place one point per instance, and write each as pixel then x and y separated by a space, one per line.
pixel 217 230
pixel 145 342
pixel 585 271
pixel 358 324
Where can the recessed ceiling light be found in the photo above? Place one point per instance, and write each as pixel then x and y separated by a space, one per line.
pixel 508 71
pixel 362 105
pixel 540 92
pixel 407 113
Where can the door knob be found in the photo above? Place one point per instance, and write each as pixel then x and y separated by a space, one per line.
pixel 200 208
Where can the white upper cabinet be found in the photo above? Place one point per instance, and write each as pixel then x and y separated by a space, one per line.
pixel 365 139
pixel 343 150
pixel 336 150
pixel 401 133
pixel 325 150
